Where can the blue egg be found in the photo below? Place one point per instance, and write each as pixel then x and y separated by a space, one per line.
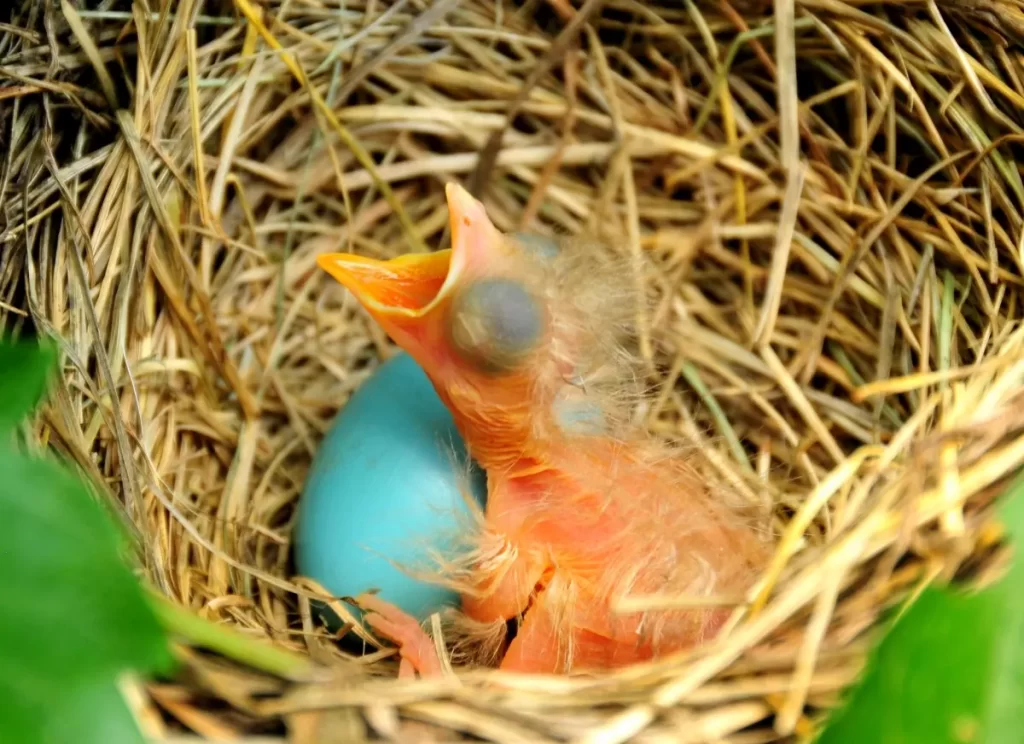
pixel 385 482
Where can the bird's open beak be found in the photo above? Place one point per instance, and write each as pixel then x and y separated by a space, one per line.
pixel 411 285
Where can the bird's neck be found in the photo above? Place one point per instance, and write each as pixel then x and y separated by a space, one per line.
pixel 503 432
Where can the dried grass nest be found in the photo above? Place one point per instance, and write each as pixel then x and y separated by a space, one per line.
pixel 829 198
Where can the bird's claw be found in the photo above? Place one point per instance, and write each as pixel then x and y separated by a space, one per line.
pixel 414 645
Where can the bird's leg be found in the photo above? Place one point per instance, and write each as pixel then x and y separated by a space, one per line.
pixel 507 575
pixel 505 587
pixel 536 648
pixel 414 645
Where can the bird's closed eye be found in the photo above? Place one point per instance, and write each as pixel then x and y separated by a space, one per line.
pixel 496 323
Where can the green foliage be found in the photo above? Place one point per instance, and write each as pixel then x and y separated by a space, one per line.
pixel 74 616
pixel 24 371
pixel 950 670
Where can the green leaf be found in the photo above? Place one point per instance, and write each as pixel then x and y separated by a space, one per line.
pixel 93 713
pixel 25 368
pixel 73 616
pixel 71 605
pixel 88 712
pixel 951 669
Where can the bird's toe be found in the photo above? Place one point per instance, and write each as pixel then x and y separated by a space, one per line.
pixel 414 645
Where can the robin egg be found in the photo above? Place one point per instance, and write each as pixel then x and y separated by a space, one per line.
pixel 385 490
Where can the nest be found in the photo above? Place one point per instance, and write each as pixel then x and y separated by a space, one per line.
pixel 828 196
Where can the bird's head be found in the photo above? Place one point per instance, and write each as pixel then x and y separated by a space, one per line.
pixel 483 319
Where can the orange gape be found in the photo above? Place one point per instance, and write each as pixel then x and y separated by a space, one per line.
pixel 578 516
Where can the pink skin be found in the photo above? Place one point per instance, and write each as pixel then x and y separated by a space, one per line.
pixel 582 539
pixel 414 645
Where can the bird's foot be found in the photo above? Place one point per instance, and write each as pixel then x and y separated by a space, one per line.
pixel 414 645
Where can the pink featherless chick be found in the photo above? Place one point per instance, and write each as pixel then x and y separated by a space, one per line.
pixel 581 511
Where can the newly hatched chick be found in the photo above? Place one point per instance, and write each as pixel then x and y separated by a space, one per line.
pixel 581 511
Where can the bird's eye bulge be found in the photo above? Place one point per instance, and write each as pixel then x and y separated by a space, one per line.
pixel 496 324
pixel 536 245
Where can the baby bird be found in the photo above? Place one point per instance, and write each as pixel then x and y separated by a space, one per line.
pixel 523 341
